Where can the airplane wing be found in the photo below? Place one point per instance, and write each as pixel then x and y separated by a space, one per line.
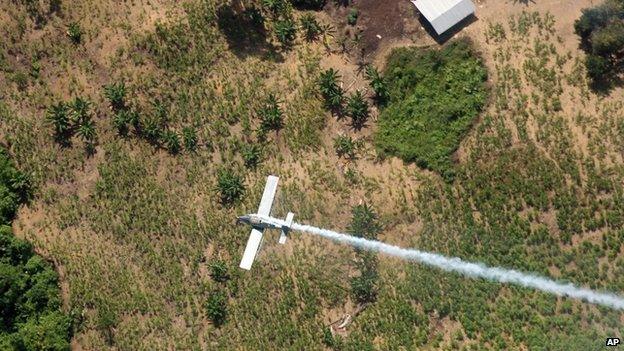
pixel 268 195
pixel 255 238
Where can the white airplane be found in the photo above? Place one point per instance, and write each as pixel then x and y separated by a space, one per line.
pixel 259 223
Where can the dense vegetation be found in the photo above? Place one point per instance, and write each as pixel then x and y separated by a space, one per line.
pixel 434 97
pixel 30 316
pixel 601 29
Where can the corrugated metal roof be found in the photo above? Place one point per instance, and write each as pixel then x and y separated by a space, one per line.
pixel 443 14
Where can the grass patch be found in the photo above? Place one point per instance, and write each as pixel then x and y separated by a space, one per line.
pixel 435 95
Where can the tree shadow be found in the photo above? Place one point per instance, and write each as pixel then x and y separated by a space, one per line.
pixel 444 37
pixel 245 33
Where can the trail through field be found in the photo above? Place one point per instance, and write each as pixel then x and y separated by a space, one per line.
pixel 470 269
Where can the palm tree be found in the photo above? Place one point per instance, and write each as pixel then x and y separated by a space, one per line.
pixel 377 83
pixel 120 122
pixel 331 92
pixel 80 110
pixel 171 140
pixel 357 109
pixel 190 138
pixel 58 116
pixel 116 95
pixel 251 154
pixel 328 81
pixel 230 186
pixel 310 26
pixel 86 131
pixel 286 31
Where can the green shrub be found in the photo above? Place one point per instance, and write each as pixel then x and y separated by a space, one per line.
pixel 252 154
pixel 219 272
pixel 216 308
pixel 171 141
pixel 74 32
pixel 230 186
pixel 310 26
pixel 357 108
pixel 189 134
pixel 434 96
pixel 345 146
pixel 352 17
pixel 116 95
pixel 271 116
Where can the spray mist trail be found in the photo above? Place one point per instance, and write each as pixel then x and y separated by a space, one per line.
pixel 473 270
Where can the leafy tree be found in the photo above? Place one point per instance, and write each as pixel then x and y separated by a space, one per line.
pixel 219 272
pixel 58 116
pixel 171 140
pixel 230 186
pixel 116 95
pixel 216 308
pixel 286 31
pixel 74 32
pixel 252 155
pixel 271 116
pixel 602 36
pixel 358 109
pixel 310 26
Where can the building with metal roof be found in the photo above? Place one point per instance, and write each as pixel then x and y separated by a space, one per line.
pixel 444 14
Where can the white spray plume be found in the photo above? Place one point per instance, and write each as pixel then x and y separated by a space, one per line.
pixel 473 270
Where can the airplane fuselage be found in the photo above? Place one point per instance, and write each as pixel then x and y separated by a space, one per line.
pixel 257 222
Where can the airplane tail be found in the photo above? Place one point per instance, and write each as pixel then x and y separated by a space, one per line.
pixel 286 228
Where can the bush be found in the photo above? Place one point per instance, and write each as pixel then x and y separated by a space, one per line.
pixel 230 186
pixel 271 116
pixel 219 272
pixel 345 146
pixel 189 134
pixel 116 95
pixel 252 155
pixel 74 33
pixel 358 109
pixel 310 26
pixel 434 96
pixel 216 308
pixel 364 222
pixel 352 17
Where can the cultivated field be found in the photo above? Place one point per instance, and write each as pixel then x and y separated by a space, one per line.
pixel 136 230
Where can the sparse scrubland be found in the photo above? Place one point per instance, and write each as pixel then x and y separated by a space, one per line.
pixel 190 106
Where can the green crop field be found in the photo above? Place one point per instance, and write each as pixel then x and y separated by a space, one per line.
pixel 144 128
